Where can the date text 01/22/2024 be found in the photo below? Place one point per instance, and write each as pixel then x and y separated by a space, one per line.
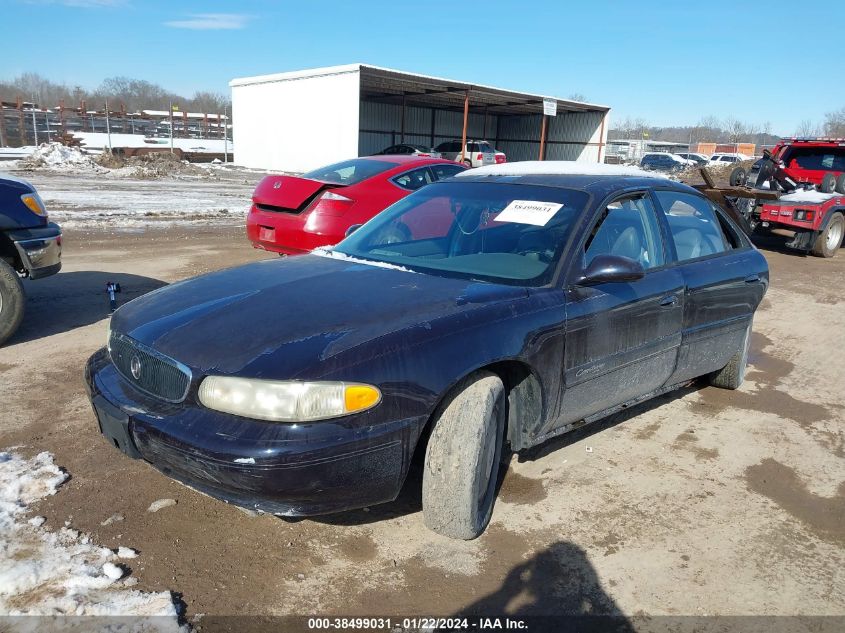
pixel 417 623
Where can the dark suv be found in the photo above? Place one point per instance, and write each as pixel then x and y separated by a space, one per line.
pixel 30 246
pixel 663 161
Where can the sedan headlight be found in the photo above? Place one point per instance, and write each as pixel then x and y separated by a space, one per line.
pixel 286 401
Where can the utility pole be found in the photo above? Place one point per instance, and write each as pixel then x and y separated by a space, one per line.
pixel 34 129
pixel 108 126
pixel 225 134
pixel 171 127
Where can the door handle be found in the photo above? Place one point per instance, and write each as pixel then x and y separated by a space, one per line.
pixel 752 279
pixel 669 301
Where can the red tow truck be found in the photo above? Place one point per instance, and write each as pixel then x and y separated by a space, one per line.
pixel 800 187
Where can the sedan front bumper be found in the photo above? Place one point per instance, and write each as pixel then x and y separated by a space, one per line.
pixel 283 469
pixel 40 249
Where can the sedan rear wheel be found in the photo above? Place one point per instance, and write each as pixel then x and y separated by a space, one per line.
pixel 462 458
pixel 732 375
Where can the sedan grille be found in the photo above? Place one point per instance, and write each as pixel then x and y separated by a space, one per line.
pixel 148 370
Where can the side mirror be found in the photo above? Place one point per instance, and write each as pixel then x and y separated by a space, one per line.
pixel 611 268
pixel 352 229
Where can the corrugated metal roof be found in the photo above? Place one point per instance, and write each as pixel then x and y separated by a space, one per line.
pixel 388 85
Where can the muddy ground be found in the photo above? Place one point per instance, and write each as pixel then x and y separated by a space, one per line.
pixel 700 502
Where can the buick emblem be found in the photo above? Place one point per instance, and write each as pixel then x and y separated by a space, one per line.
pixel 135 367
pixel 277 184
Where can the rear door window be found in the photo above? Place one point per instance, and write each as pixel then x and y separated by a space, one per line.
pixel 695 229
pixel 413 180
pixel 445 171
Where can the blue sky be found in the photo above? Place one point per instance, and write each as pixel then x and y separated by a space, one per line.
pixel 671 63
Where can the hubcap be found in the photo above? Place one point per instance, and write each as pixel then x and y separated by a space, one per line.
pixel 834 235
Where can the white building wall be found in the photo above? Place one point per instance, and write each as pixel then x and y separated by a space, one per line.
pixel 296 122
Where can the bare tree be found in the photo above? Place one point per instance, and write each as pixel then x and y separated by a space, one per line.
pixel 834 123
pixel 806 128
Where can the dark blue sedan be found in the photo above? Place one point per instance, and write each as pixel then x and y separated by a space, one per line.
pixel 522 301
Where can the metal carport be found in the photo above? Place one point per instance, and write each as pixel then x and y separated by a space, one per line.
pixel 299 120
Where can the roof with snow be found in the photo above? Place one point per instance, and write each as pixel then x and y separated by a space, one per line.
pixel 388 85
pixel 559 168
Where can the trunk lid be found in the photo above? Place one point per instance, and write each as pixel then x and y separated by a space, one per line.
pixel 291 194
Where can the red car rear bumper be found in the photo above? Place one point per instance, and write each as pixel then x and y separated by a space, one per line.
pixel 291 233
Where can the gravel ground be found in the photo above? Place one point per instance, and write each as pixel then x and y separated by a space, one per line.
pixel 700 502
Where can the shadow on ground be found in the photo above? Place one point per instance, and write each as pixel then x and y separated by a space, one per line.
pixel 70 300
pixel 555 590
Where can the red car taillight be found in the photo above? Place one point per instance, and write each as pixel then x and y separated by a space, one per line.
pixel 501 158
pixel 479 157
pixel 331 203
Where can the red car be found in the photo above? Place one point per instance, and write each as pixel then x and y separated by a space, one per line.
pixel 820 161
pixel 293 215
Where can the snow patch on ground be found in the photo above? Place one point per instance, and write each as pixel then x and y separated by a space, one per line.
pixel 59 157
pixel 61 573
pixel 558 168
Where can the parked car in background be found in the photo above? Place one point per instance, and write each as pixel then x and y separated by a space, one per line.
pixel 30 246
pixel 664 161
pixel 525 300
pixel 475 154
pixel 406 149
pixel 726 159
pixel 699 159
pixel 500 157
pixel 296 214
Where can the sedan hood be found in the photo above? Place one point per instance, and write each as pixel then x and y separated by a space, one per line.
pixel 284 318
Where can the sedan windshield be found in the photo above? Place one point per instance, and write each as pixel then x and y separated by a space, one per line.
pixel 349 172
pixel 504 233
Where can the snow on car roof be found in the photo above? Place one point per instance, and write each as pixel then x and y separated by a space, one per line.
pixel 558 168
pixel 808 196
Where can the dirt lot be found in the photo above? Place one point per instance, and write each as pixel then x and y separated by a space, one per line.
pixel 700 502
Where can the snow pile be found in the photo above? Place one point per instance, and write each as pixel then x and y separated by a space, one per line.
pixel 62 573
pixel 59 157
pixel 809 196
pixel 558 168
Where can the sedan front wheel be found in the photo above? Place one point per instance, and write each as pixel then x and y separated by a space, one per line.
pixel 462 458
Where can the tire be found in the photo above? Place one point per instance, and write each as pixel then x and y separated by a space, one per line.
pixel 738 177
pixel 828 183
pixel 468 163
pixel 840 184
pixel 830 239
pixel 12 301
pixel 732 374
pixel 463 456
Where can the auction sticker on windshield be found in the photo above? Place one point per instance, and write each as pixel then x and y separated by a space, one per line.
pixel 529 212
